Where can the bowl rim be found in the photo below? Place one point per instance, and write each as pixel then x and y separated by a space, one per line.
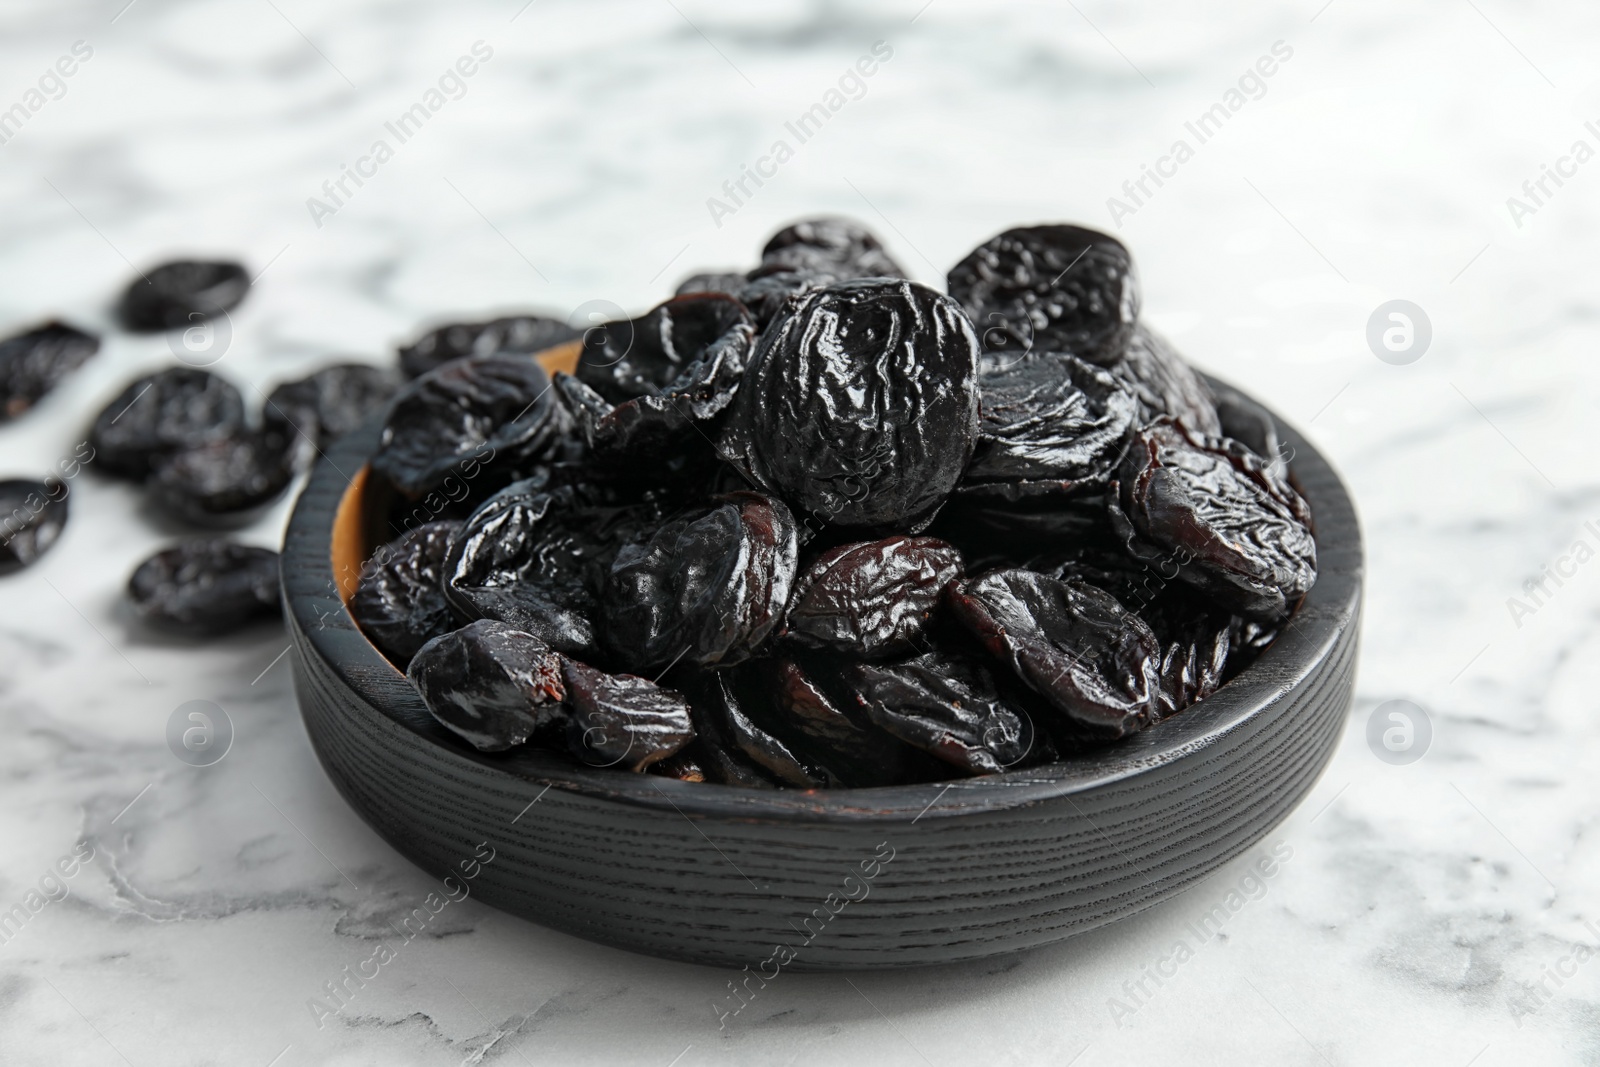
pixel 1330 609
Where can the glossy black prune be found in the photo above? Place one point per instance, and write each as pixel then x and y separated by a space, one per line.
pixel 1092 659
pixel 226 481
pixel 182 293
pixel 619 720
pixel 206 587
pixel 516 333
pixel 693 344
pixel 34 361
pixel 859 406
pixel 840 247
pixel 1252 426
pixel 719 745
pixel 1240 532
pixel 324 406
pixel 399 601
pixel 871 599
pixel 177 408
pixel 816 707
pixel 766 295
pixel 727 282
pixel 721 701
pixel 947 706
pixel 32 517
pixel 490 684
pixel 1050 289
pixel 707 588
pixel 501 404
pixel 536 555
pixel 1049 417
pixel 1165 384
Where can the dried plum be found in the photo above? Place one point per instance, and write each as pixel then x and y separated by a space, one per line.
pixel 728 282
pixel 707 588
pixel 178 408
pixel 946 706
pixel 1092 659
pixel 860 405
pixel 689 344
pixel 871 599
pixel 716 745
pixel 1251 425
pixel 769 294
pixel 330 403
pixel 517 333
pixel 181 293
pixel 450 414
pixel 1050 289
pixel 32 517
pixel 718 702
pixel 491 684
pixel 818 711
pixel 226 481
pixel 399 601
pixel 1242 535
pixel 34 361
pixel 840 247
pixel 1165 384
pixel 1050 417
pixel 206 587
pixel 623 720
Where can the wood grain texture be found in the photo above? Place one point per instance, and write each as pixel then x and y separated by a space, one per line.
pixel 721 875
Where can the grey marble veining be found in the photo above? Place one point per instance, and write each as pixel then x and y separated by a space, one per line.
pixel 1443 911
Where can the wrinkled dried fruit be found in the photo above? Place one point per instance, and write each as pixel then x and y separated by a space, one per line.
pixel 707 588
pixel 766 295
pixel 1238 531
pixel 619 720
pixel 325 406
pixel 1093 660
pixel 518 333
pixel 1252 426
pixel 206 587
pixel 860 405
pixel 399 601
pixel 32 516
pixel 946 706
pixel 178 408
pixel 728 711
pixel 1047 417
pixel 1050 289
pixel 225 482
pixel 717 745
pixel 871 599
pixel 840 247
pixel 678 347
pixel 491 684
pixel 1165 384
pixel 32 362
pixel 479 409
pixel 819 712
pixel 182 293
pixel 727 282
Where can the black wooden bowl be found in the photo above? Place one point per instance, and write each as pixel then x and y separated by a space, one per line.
pixel 845 879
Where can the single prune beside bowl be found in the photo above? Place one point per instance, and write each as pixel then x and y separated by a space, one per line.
pixel 178 408
pixel 491 684
pixel 871 599
pixel 32 517
pixel 516 333
pixel 859 406
pixel 182 293
pixel 623 720
pixel 324 406
pixel 225 482
pixel 34 361
pixel 947 706
pixel 1051 289
pixel 206 587
pixel 399 601
pixel 501 404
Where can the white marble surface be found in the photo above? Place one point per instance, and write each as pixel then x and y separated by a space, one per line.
pixel 1419 901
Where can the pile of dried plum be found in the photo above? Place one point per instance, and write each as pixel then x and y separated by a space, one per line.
pixel 818 525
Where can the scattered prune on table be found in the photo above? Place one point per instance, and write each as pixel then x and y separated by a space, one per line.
pixel 32 516
pixel 1092 659
pixel 948 707
pixel 399 601
pixel 839 247
pixel 859 406
pixel 727 282
pixel 536 556
pixel 225 481
pixel 1240 533
pixel 324 406
pixel 1050 417
pixel 707 588
pixel 1165 384
pixel 871 599
pixel 623 720
pixel 1050 289
pixel 182 293
pixel 499 403
pixel 34 361
pixel 688 345
pixel 491 684
pixel 177 408
pixel 517 333
pixel 206 587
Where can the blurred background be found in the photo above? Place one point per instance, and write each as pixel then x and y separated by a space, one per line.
pixel 591 159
